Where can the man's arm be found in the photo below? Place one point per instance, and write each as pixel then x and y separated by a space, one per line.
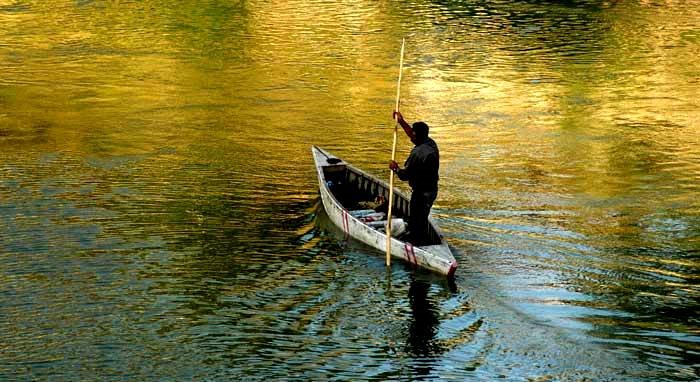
pixel 401 172
pixel 406 127
pixel 404 173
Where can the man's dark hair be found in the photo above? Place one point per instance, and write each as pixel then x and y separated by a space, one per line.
pixel 421 130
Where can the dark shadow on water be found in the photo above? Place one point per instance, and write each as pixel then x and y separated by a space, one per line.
pixel 423 323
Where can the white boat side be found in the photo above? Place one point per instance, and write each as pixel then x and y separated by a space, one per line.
pixel 437 258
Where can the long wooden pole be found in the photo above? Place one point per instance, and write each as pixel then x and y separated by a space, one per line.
pixel 393 157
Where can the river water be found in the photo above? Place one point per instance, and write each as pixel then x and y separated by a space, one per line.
pixel 160 217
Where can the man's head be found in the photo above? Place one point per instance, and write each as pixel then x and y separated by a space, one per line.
pixel 420 129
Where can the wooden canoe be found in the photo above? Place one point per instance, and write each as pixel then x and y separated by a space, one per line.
pixel 345 188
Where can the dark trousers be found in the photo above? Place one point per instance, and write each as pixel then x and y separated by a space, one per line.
pixel 421 202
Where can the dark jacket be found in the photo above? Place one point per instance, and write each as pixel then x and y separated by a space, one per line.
pixel 422 166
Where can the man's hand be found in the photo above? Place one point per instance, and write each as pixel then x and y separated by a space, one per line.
pixel 393 166
pixel 406 127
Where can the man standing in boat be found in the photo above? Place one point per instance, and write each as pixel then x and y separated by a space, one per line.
pixel 421 172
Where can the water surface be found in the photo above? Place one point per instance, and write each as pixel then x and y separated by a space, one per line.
pixel 160 217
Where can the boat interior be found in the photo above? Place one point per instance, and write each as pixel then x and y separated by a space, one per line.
pixel 357 192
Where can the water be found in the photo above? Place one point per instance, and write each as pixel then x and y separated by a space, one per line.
pixel 160 218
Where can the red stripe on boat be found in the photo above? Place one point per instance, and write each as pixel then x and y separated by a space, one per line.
pixel 410 254
pixel 453 268
pixel 346 229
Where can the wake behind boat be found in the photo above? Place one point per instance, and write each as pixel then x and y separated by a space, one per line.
pixel 347 192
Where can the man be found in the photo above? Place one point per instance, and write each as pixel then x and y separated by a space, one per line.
pixel 421 172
